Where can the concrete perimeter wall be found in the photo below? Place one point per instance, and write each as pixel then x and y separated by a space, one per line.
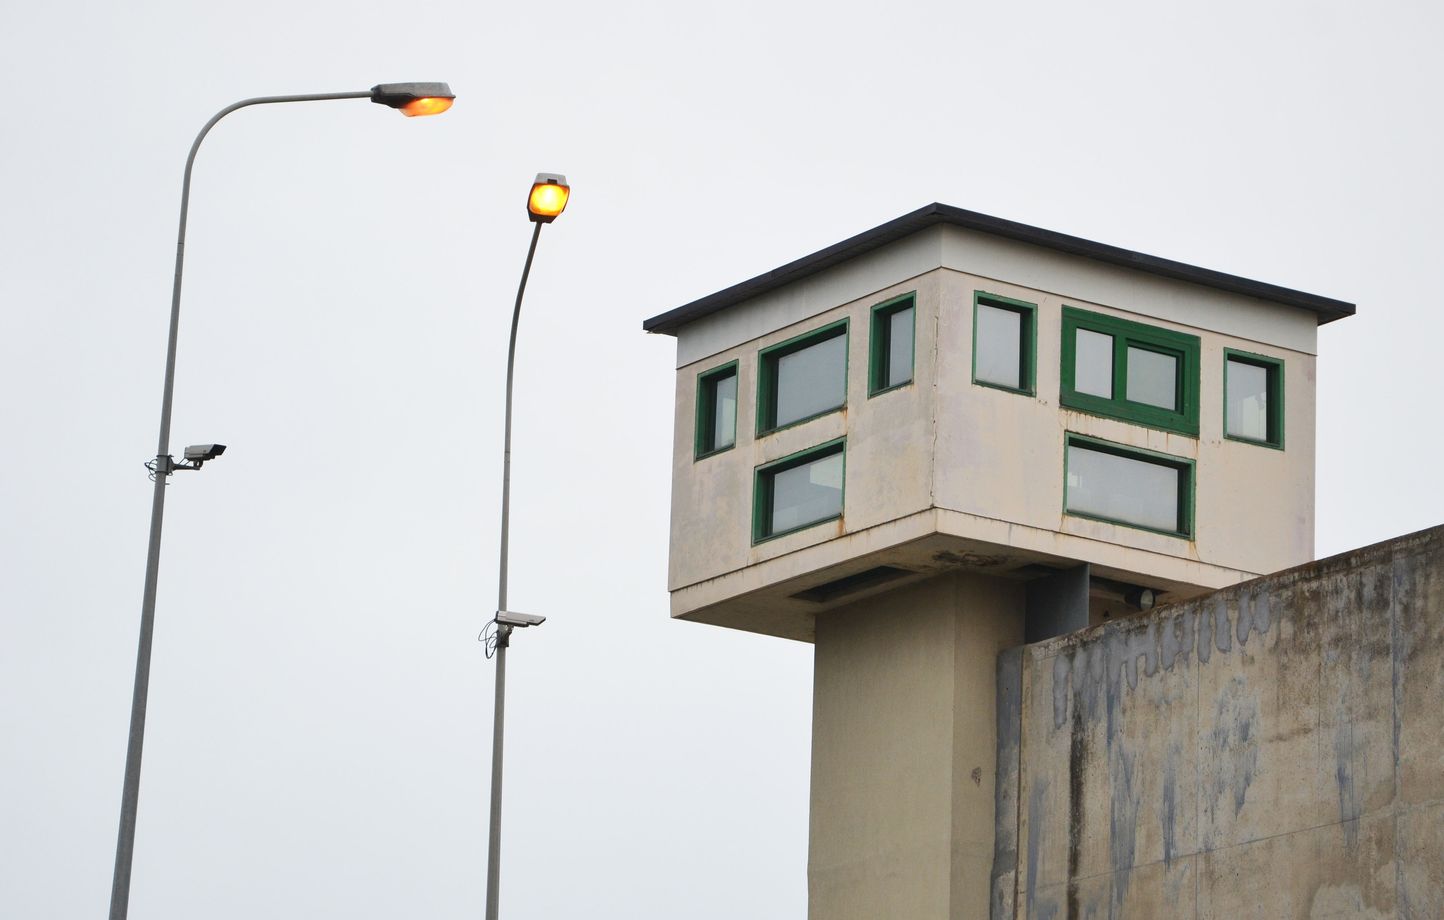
pixel 1274 750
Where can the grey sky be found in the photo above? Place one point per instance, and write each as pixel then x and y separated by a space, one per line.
pixel 320 716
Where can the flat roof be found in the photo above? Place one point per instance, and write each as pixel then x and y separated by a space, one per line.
pixel 1326 308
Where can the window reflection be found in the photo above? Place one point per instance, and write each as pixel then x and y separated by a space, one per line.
pixel 998 351
pixel 810 380
pixel 1128 489
pixel 1152 378
pixel 806 494
pixel 1248 401
pixel 1093 364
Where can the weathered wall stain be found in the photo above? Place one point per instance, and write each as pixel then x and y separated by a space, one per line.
pixel 1005 788
pixel 1037 798
pixel 1222 636
pixel 1176 640
pixel 1233 746
pixel 1168 812
pixel 1087 676
pixel 1255 613
pixel 1275 749
pixel 1077 772
pixel 1122 822
pixel 1344 779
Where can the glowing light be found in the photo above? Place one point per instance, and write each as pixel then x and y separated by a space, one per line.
pixel 548 198
pixel 427 105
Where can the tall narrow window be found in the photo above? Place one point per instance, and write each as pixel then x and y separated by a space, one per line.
pixel 1111 482
pixel 1003 342
pixel 802 378
pixel 1130 371
pixel 893 334
pixel 716 410
pixel 1253 398
pixel 798 491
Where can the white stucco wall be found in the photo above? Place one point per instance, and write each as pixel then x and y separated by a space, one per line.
pixel 889 446
pixel 1000 454
pixel 986 256
pixel 816 294
pixel 989 461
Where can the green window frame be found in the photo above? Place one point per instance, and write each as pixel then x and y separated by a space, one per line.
pixel 1186 483
pixel 880 365
pixel 1274 390
pixel 1027 341
pixel 764 483
pixel 705 441
pixel 1126 336
pixel 767 369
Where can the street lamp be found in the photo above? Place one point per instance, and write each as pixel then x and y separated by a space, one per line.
pixel 409 99
pixel 548 198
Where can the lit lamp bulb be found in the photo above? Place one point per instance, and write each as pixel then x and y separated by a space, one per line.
pixel 413 99
pixel 548 198
pixel 427 105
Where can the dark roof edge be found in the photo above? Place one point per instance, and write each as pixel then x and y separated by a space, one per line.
pixel 668 323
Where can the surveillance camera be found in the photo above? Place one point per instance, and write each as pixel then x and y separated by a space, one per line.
pixel 512 618
pixel 200 453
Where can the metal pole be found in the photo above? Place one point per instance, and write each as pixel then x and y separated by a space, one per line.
pixel 503 633
pixel 498 735
pixel 130 795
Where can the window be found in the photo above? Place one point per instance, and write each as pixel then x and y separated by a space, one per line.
pixel 1003 337
pixel 798 491
pixel 1124 485
pixel 802 378
pixel 1130 371
pixel 716 410
pixel 1253 398
pixel 891 363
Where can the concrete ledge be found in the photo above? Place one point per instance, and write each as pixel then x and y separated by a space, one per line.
pixel 762 597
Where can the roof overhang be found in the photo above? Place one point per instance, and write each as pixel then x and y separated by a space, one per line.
pixel 1325 308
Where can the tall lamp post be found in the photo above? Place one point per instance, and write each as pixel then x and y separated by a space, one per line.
pixel 548 198
pixel 410 99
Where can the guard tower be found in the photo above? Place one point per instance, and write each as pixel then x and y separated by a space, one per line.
pixel 947 436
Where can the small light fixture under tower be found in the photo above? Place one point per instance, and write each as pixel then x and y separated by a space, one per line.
pixel 1140 598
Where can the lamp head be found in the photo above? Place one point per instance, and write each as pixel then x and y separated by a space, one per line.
pixel 548 198
pixel 413 99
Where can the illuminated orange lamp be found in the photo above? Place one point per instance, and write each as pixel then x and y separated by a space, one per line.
pixel 427 105
pixel 548 198
pixel 413 99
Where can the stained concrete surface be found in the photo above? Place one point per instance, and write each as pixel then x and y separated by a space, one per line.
pixel 1272 750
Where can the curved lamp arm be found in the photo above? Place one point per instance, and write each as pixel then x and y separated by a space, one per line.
pixel 163 446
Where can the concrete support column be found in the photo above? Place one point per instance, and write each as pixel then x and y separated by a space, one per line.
pixel 904 750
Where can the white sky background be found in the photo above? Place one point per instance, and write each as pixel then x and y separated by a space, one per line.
pixel 320 712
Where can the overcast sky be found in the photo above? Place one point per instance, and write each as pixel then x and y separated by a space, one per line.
pixel 319 736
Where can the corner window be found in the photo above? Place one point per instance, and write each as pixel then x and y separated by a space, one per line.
pixel 1253 398
pixel 802 378
pixel 716 410
pixel 1003 342
pixel 798 491
pixel 892 344
pixel 1123 485
pixel 1130 371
